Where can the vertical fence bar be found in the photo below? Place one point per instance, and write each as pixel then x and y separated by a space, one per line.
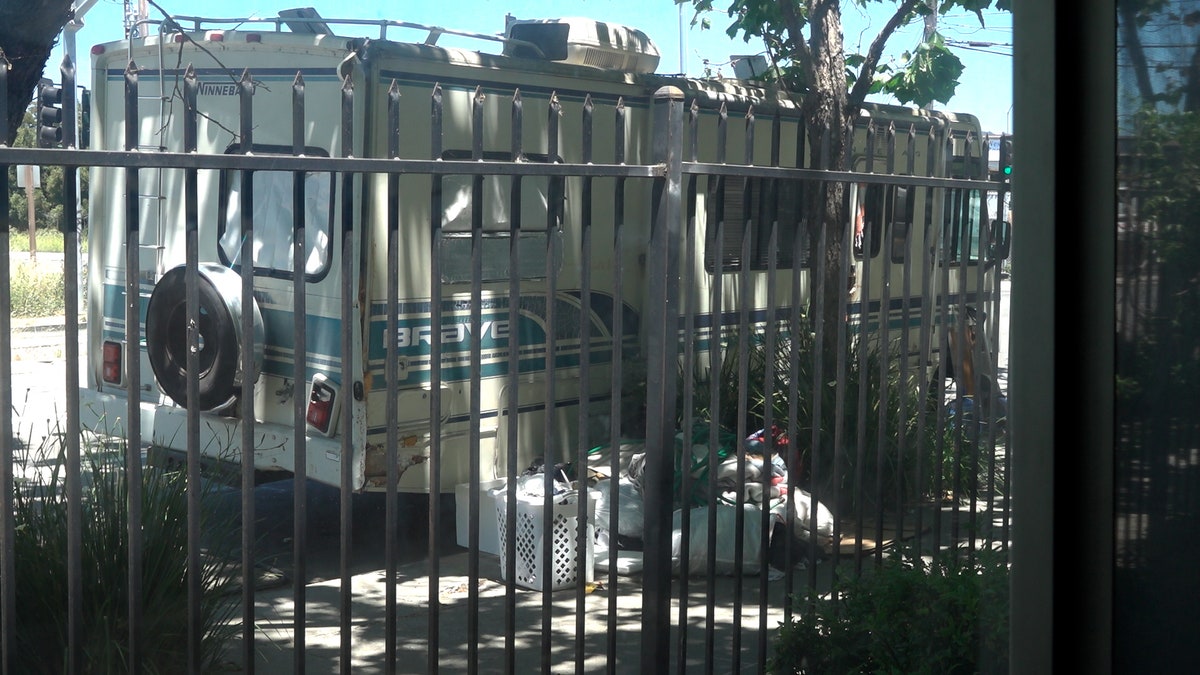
pixel 550 472
pixel 883 435
pixel 690 297
pixel 133 370
pixel 349 284
pixel 662 367
pixel 191 88
pixel 514 366
pixel 475 402
pixel 745 300
pixel 392 375
pixel 845 232
pixel 960 347
pixel 715 239
pixel 300 377
pixel 905 312
pixel 817 290
pixel 435 374
pixel 973 240
pixel 70 230
pixel 8 598
pixel 871 233
pixel 616 391
pixel 860 433
pixel 582 545
pixel 929 257
pixel 771 219
pixel 861 410
pixel 794 466
pixel 942 320
pixel 246 208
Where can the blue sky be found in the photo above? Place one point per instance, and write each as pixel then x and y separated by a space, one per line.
pixel 985 88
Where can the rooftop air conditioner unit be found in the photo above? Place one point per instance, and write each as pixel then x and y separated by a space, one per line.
pixel 582 42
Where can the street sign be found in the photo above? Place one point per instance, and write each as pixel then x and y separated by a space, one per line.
pixel 26 173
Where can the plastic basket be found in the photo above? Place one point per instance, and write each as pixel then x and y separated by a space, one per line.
pixel 528 539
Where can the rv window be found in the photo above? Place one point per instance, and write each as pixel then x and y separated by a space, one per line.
pixel 539 194
pixel 271 214
pixel 962 213
pixel 768 200
pixel 531 257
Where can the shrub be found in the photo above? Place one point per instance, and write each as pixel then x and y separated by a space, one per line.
pixel 949 616
pixel 41 576
pixel 36 288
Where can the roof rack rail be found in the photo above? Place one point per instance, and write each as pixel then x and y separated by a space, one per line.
pixel 307 21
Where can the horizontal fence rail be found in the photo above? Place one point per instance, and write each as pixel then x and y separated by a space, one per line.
pixel 654 325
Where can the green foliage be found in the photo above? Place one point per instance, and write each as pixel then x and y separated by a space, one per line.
pixel 36 288
pixel 931 74
pixel 945 617
pixel 47 241
pixel 928 73
pixel 41 581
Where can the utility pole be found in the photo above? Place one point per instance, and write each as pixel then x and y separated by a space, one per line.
pixel 30 182
pixel 930 20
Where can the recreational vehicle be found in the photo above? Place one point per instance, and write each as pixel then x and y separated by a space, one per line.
pixel 461 309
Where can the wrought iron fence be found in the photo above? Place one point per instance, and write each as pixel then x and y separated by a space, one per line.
pixel 714 400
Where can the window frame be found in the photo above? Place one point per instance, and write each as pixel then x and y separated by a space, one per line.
pixel 224 190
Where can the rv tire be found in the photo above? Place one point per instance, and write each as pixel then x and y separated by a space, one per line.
pixel 219 376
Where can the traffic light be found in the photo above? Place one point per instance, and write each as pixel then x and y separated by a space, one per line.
pixel 50 114
pixel 1006 159
pixel 85 118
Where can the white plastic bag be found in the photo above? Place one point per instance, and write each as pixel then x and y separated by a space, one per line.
pixel 725 542
pixel 631 521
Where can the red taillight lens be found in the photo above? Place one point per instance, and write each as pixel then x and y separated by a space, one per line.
pixel 111 371
pixel 322 399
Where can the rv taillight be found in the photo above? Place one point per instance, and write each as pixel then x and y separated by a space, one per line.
pixel 253 37
pixel 112 362
pixel 178 38
pixel 97 50
pixel 322 405
pixel 216 36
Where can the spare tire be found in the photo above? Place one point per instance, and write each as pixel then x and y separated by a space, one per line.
pixel 220 336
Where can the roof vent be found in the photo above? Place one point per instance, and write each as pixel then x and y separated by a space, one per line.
pixel 583 42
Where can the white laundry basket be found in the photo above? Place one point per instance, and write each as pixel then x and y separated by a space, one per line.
pixel 570 566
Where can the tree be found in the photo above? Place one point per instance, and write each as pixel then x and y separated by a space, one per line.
pixel 29 30
pixel 804 40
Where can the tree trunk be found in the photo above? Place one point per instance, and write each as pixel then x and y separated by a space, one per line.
pixel 826 113
pixel 28 32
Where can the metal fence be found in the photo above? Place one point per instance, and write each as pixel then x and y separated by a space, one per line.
pixel 898 454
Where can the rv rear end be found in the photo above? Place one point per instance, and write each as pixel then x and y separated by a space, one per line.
pixel 154 210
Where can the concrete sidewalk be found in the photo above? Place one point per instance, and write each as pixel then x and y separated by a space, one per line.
pixel 275 611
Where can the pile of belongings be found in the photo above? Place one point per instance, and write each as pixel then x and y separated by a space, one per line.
pixel 750 483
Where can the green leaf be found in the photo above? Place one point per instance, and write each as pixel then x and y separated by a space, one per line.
pixel 930 75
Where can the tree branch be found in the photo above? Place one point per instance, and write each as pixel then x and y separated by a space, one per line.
pixel 795 31
pixel 866 73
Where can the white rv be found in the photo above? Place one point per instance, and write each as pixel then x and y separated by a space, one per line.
pixel 568 60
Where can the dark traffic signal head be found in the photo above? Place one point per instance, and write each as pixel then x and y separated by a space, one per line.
pixel 50 114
